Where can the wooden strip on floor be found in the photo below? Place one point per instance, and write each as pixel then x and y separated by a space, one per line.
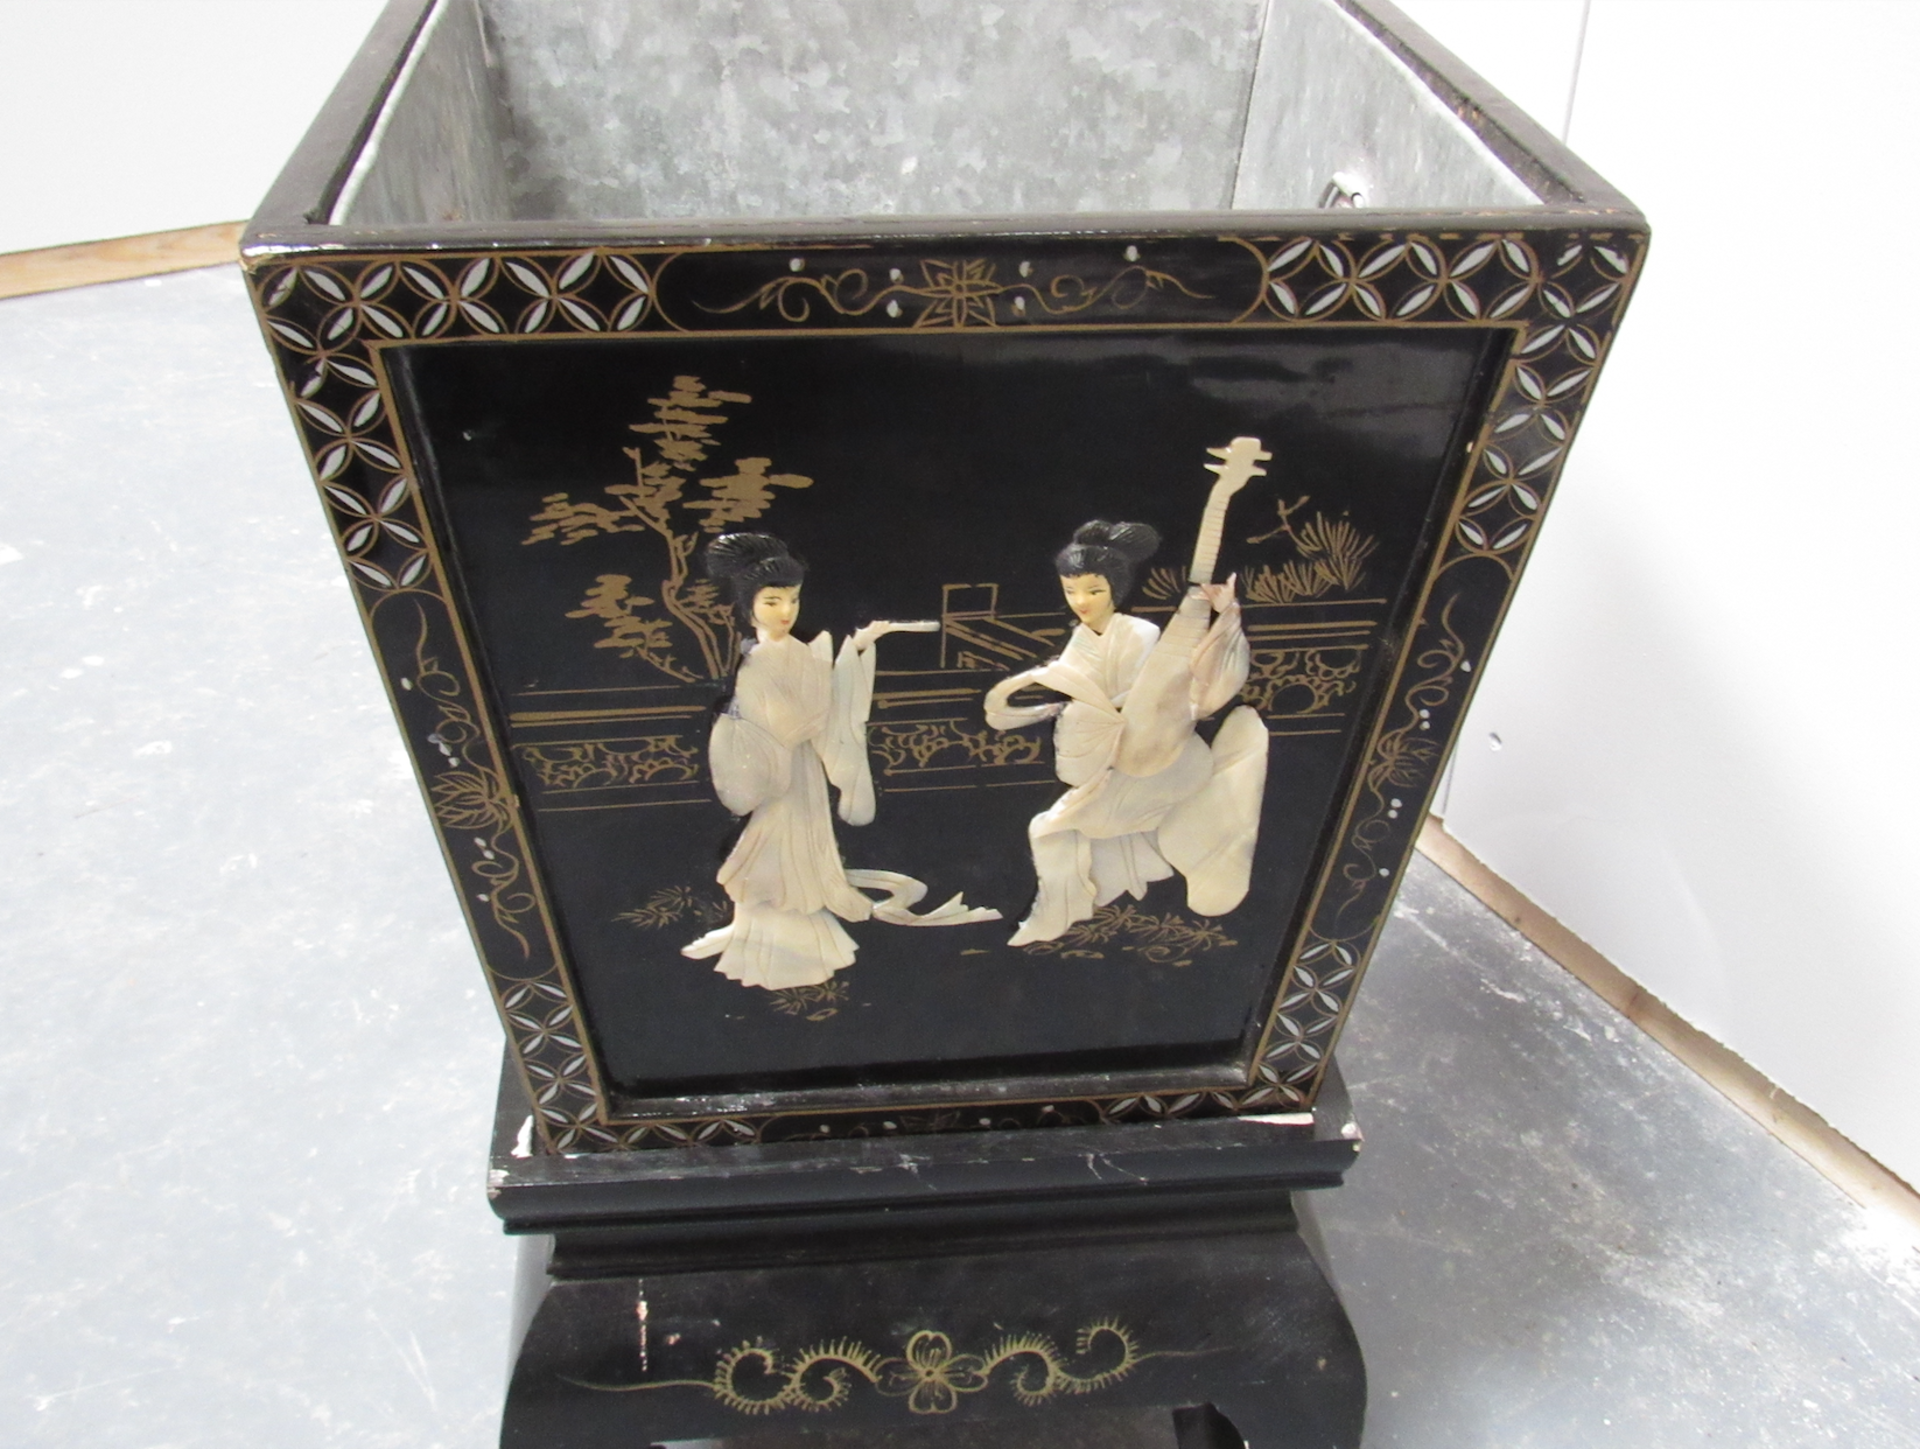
pixel 1797 1125
pixel 51 269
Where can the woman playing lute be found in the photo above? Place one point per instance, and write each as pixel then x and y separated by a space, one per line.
pixel 1147 796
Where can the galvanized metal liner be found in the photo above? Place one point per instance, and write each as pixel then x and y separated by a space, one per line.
pixel 658 109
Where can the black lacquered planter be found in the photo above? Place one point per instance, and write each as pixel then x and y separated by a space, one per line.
pixel 538 367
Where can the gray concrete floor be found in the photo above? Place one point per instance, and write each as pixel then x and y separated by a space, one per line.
pixel 246 1066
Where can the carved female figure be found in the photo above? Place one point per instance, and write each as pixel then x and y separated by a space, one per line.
pixel 1147 796
pixel 797 720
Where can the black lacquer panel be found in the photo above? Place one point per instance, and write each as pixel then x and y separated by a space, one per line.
pixel 955 405
pixel 944 470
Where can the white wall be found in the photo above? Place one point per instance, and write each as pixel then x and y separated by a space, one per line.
pixel 128 116
pixel 1704 695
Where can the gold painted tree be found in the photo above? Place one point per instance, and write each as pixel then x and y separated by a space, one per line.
pixel 670 500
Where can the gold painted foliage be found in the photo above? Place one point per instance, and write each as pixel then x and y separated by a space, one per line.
pixel 470 800
pixel 1401 760
pixel 1332 559
pixel 671 500
pixel 671 906
pixel 1163 584
pixel 683 904
pixel 742 495
pixel 645 637
pixel 815 1003
pixel 1169 940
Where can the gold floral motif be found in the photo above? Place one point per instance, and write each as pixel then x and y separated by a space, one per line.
pixel 1169 940
pixel 1402 760
pixel 955 295
pixel 932 1377
pixel 929 1374
pixel 468 800
pixel 943 744
pixel 1276 671
pixel 591 765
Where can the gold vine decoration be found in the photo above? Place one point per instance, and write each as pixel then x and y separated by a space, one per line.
pixel 596 765
pixel 924 742
pixel 471 795
pixel 954 294
pixel 929 1374
pixel 1404 758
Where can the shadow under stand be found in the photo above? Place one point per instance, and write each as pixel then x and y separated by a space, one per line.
pixel 1151 1284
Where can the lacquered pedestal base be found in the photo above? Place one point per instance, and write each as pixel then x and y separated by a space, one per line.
pixel 1042 1345
pixel 1112 1288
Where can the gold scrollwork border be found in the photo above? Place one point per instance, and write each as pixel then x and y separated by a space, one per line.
pixel 953 294
pixel 755 1378
pixel 1557 290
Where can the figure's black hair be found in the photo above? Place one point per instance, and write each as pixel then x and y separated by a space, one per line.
pixel 747 563
pixel 1111 550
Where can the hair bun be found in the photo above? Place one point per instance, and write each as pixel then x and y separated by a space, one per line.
pixel 1134 542
pixel 733 555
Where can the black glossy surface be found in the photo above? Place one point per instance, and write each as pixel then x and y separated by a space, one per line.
pixel 1024 1341
pixel 848 1199
pixel 935 460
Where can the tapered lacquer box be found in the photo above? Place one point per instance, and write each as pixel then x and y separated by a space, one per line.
pixel 928 555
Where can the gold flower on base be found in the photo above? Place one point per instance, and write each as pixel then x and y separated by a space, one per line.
pixel 932 1376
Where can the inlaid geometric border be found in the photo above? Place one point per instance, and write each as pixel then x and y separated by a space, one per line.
pixel 1558 291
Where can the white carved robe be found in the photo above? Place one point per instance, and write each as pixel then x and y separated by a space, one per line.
pixel 797 721
pixel 1147 795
